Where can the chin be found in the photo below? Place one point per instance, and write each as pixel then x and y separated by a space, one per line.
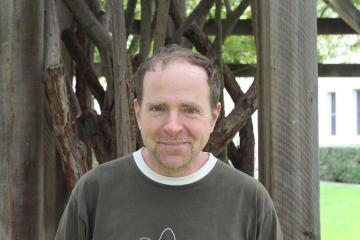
pixel 174 161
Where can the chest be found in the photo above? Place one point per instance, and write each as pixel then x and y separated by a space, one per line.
pixel 172 215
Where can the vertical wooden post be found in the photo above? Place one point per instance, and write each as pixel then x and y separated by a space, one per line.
pixel 22 119
pixel 288 131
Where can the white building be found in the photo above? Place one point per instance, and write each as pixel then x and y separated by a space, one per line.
pixel 339 111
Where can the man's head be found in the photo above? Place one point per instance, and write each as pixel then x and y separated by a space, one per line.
pixel 174 52
pixel 175 110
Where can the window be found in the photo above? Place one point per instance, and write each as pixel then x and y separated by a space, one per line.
pixel 333 113
pixel 358 111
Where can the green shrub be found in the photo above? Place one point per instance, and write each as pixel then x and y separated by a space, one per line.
pixel 340 164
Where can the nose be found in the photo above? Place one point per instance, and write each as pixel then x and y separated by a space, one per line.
pixel 173 124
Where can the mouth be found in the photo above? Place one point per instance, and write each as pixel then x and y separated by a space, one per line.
pixel 173 144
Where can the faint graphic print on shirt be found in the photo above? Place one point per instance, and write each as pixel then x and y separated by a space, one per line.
pixel 167 234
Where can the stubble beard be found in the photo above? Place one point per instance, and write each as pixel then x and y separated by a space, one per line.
pixel 167 159
pixel 161 161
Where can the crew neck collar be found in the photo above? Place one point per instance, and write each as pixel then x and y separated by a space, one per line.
pixel 174 181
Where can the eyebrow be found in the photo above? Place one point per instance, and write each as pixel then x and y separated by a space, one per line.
pixel 150 104
pixel 190 104
pixel 185 104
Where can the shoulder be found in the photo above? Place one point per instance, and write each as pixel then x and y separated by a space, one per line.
pixel 234 176
pixel 237 181
pixel 248 190
pixel 108 169
pixel 105 175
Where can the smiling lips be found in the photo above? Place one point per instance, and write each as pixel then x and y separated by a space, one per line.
pixel 173 143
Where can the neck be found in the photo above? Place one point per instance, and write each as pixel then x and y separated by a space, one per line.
pixel 190 167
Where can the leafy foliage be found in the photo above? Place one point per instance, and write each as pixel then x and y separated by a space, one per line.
pixel 336 48
pixel 340 164
pixel 241 49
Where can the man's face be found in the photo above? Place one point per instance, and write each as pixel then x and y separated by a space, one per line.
pixel 175 117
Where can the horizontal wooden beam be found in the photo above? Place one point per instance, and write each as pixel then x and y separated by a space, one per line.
pixel 329 26
pixel 347 11
pixel 325 26
pixel 324 70
pixel 339 70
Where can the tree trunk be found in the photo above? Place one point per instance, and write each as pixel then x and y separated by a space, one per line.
pixel 125 141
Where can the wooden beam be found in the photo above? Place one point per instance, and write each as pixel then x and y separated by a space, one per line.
pixel 325 70
pixel 325 26
pixel 347 11
pixel 287 112
pixel 249 70
pixel 339 70
pixel 328 26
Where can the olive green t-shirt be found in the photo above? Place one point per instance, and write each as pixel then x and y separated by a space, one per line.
pixel 123 199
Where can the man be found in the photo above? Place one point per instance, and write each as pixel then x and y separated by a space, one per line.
pixel 171 189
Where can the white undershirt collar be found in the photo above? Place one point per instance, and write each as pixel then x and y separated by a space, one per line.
pixel 174 181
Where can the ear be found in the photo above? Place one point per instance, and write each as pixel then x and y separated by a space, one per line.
pixel 137 109
pixel 215 114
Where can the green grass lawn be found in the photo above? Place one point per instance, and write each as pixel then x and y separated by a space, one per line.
pixel 339 211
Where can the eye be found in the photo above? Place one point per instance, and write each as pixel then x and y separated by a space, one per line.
pixel 157 108
pixel 190 110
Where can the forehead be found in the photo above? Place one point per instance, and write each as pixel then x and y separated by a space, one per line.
pixel 175 69
pixel 178 77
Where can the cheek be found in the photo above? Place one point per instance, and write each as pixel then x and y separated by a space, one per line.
pixel 150 127
pixel 200 129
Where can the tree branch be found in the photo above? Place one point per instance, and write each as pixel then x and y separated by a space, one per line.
pixel 89 23
pixel 231 22
pixel 229 126
pixel 161 20
pixel 106 64
pixel 121 81
pixel 233 18
pixel 97 129
pixel 145 29
pixel 202 9
pixel 72 151
pixel 228 7
pixel 76 52
pixel 242 157
pixel 129 16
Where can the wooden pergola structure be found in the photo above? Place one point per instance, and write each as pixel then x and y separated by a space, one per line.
pixel 325 26
pixel 287 70
pixel 286 99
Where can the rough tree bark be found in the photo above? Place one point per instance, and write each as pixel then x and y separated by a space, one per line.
pixel 145 29
pixel 73 152
pixel 161 20
pixel 125 141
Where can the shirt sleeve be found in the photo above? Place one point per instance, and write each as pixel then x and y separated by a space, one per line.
pixel 268 225
pixel 72 225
